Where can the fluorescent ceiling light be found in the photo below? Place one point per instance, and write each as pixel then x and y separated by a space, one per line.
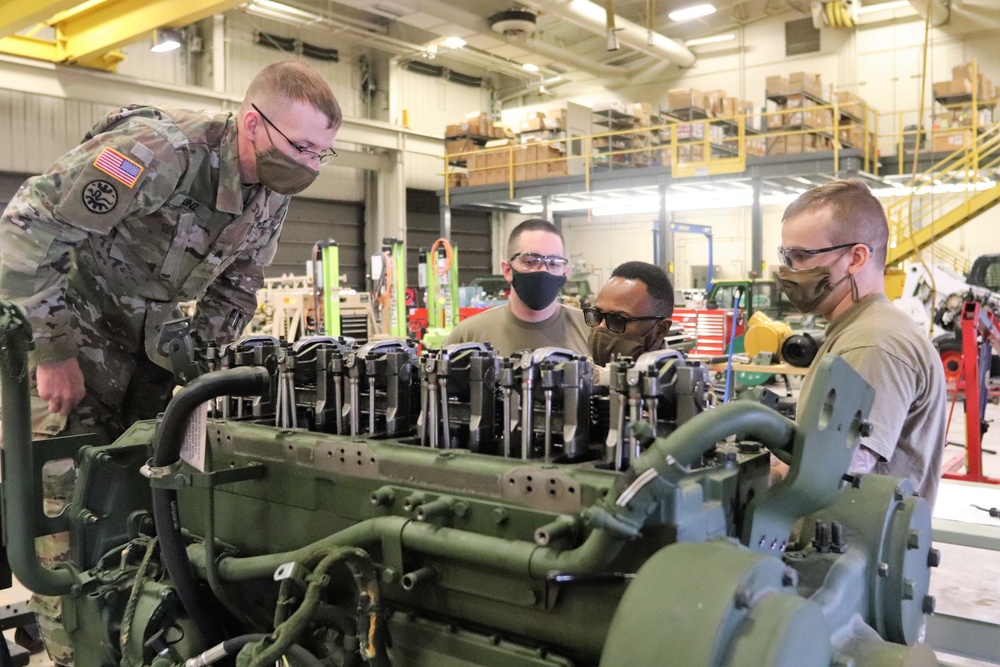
pixel 165 39
pixel 884 7
pixel 531 67
pixel 726 37
pixel 454 42
pixel 692 12
pixel 283 12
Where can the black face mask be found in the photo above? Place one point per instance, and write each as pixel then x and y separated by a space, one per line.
pixel 537 289
pixel 604 344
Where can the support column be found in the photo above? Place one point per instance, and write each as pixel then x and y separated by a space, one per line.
pixel 446 222
pixel 546 214
pixel 665 238
pixel 391 207
pixel 756 233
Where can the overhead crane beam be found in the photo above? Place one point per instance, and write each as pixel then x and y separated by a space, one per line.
pixel 90 36
pixel 18 15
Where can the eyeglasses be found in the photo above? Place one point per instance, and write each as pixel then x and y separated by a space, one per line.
pixel 322 156
pixel 616 323
pixel 532 261
pixel 792 256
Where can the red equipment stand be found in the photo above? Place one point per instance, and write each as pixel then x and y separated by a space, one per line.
pixel 979 336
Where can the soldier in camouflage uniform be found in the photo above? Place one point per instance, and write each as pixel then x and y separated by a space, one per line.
pixel 154 208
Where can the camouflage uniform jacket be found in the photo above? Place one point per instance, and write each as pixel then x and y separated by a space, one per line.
pixel 146 213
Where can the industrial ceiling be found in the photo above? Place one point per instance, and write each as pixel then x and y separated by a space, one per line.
pixel 613 41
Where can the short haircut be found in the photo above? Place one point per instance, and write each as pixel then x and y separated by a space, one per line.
pixel 532 225
pixel 858 215
pixel 293 81
pixel 657 283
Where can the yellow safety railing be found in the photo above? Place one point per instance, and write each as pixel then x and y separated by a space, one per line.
pixel 946 196
pixel 696 147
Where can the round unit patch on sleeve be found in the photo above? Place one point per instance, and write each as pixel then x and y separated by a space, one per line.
pixel 100 197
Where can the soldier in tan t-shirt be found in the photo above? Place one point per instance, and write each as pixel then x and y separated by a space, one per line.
pixel 833 249
pixel 536 268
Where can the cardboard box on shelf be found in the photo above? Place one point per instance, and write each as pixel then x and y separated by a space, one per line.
pixel 682 98
pixel 852 136
pixel 805 82
pixel 559 167
pixel 963 71
pixel 756 146
pixel 456 130
pixel 952 88
pixel 729 107
pixel 690 153
pixel 985 87
pixel 642 111
pixel 497 157
pixel 776 85
pixel 531 125
pixel 950 140
pixel 480 124
pixel 457 179
pixel 454 146
pixel 776 145
pixel 476 167
pixel 713 102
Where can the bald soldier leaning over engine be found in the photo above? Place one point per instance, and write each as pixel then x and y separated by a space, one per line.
pixel 155 207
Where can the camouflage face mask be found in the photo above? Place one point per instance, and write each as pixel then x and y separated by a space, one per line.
pixel 280 173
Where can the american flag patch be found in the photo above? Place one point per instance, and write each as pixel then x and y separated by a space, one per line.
pixel 118 167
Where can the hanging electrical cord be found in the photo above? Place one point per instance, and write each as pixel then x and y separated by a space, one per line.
pixel 737 297
pixel 913 175
pixel 449 256
pixel 386 292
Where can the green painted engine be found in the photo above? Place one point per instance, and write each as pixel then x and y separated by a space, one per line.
pixel 331 504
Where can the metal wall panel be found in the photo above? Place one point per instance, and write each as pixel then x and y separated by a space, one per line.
pixel 35 129
pixel 312 220
pixel 244 59
pixel 140 62
pixel 433 103
pixel 471 233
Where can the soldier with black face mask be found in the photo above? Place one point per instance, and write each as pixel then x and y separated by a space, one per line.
pixel 537 268
pixel 631 313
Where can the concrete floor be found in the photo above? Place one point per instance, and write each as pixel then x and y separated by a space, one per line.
pixel 967 583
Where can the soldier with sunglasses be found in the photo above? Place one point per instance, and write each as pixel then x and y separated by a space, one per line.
pixel 536 269
pixel 631 313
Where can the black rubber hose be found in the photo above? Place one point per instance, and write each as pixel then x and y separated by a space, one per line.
pixel 18 486
pixel 245 381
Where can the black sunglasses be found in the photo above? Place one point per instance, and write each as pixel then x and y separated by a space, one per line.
pixel 322 156
pixel 616 323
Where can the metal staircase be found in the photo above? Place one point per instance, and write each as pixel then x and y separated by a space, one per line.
pixel 942 199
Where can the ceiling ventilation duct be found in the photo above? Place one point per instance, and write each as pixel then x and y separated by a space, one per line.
pixel 513 23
